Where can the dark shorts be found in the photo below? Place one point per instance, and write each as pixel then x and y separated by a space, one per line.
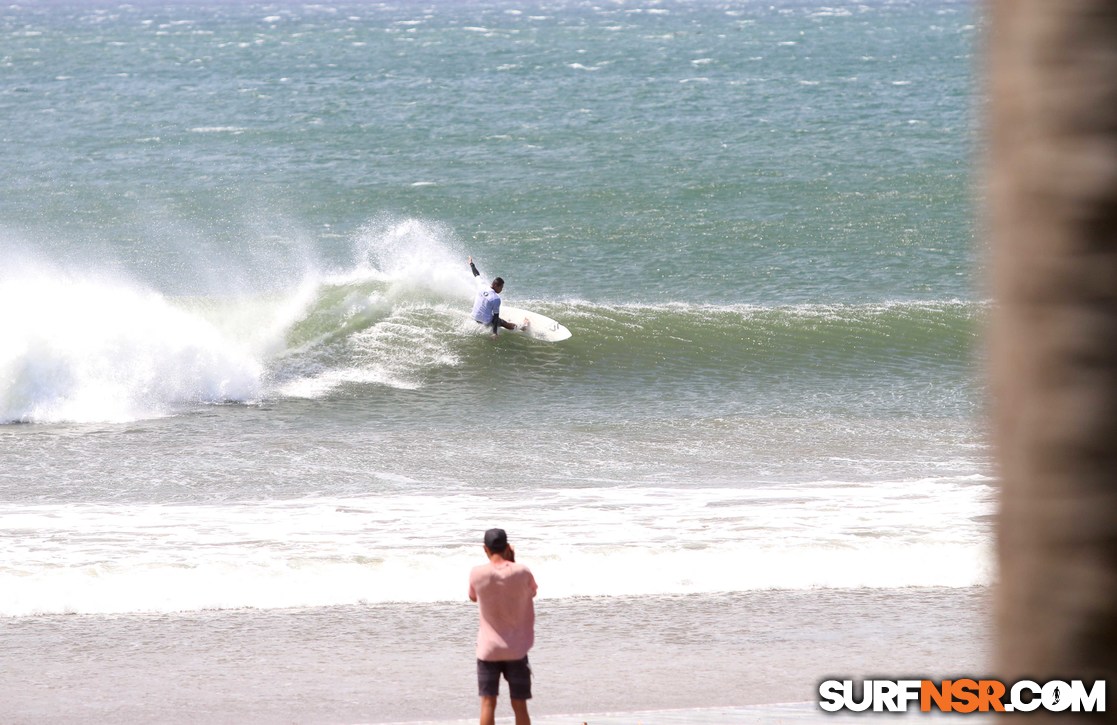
pixel 517 672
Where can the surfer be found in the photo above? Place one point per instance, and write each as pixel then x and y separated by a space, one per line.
pixel 503 591
pixel 486 306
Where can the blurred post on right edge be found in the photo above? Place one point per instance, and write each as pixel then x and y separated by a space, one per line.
pixel 1050 214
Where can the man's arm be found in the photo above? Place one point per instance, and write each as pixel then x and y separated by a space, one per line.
pixel 473 267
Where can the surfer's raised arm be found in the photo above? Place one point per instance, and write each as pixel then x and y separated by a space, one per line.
pixel 473 267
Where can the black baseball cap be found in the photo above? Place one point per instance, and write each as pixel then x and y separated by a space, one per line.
pixel 496 540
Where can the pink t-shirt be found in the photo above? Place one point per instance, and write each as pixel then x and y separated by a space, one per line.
pixel 504 593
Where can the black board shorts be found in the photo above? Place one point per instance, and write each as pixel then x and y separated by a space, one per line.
pixel 517 672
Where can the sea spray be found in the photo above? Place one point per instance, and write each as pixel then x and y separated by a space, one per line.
pixel 87 349
pixel 414 255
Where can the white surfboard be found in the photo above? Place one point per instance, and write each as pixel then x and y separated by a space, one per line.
pixel 539 327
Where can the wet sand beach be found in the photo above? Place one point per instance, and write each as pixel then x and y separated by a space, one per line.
pixel 401 663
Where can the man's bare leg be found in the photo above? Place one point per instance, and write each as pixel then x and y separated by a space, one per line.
pixel 488 710
pixel 520 708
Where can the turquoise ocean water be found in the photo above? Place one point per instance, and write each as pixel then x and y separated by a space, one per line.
pixel 236 367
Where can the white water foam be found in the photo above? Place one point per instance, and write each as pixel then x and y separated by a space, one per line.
pixel 98 558
pixel 83 349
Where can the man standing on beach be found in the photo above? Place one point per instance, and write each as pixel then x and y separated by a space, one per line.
pixel 503 591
